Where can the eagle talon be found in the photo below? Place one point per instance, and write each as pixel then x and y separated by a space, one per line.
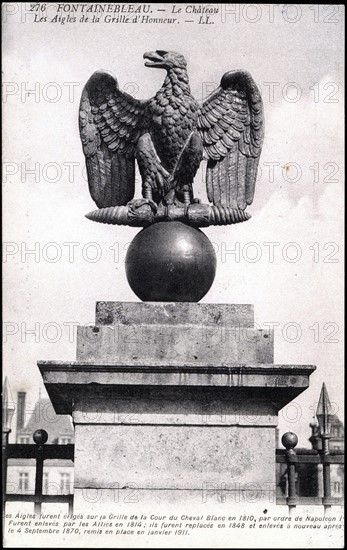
pixel 135 204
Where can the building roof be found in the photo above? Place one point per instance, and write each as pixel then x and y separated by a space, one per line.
pixel 44 417
pixel 335 421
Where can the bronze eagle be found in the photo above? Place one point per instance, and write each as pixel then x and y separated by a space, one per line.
pixel 168 136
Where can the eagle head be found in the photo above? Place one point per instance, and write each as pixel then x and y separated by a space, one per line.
pixel 164 60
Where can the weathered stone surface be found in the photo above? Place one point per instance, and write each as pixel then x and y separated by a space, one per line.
pixel 174 409
pixel 173 402
pixel 66 381
pixel 169 457
pixel 175 344
pixel 229 497
pixel 175 447
pixel 136 313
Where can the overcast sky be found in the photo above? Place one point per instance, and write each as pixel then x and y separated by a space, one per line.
pixel 296 57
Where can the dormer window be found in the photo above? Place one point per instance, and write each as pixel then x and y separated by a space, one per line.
pixel 65 440
pixel 23 439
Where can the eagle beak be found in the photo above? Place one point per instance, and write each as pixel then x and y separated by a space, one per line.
pixel 154 59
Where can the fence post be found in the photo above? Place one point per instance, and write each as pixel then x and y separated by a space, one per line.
pixel 40 437
pixel 70 512
pixel 324 415
pixel 5 434
pixel 289 441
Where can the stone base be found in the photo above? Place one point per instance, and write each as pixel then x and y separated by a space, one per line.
pixel 169 417
pixel 204 499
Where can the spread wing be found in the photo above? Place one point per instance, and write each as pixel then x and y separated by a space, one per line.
pixel 110 123
pixel 231 124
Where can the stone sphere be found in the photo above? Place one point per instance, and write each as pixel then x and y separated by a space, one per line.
pixel 289 440
pixel 40 437
pixel 170 262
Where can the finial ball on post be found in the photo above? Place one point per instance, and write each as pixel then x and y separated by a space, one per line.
pixel 289 440
pixel 40 437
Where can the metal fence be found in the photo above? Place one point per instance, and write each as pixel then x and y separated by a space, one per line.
pixel 325 457
pixel 40 452
pixel 293 459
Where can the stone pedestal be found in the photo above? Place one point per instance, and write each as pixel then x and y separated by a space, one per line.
pixel 172 402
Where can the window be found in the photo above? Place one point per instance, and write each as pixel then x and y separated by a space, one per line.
pixel 65 483
pixel 337 487
pixel 23 439
pixel 65 440
pixel 335 431
pixel 23 482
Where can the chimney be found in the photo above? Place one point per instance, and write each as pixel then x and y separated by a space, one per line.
pixel 21 395
pixel 315 439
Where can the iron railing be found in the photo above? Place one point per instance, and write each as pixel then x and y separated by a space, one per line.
pixel 293 458
pixel 323 456
pixel 40 452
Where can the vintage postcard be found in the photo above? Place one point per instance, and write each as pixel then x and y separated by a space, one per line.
pixel 173 275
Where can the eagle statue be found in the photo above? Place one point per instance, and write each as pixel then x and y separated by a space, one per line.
pixel 169 135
